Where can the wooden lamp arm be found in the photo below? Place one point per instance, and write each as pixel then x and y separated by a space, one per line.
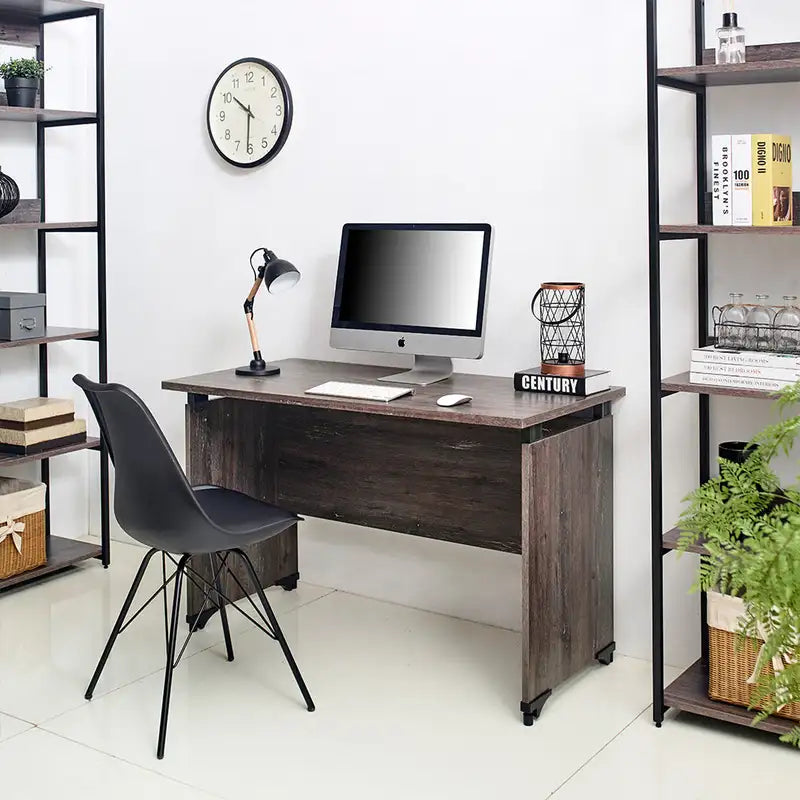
pixel 248 313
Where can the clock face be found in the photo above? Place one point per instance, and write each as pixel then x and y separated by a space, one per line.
pixel 249 112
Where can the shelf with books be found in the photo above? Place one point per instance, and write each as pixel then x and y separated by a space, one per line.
pixel 694 231
pixel 682 383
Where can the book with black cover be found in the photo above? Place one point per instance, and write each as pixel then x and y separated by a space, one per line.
pixel 533 380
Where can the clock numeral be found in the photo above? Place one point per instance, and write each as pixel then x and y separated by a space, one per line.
pixel 227 134
pixel 264 143
pixel 221 116
pixel 274 130
pixel 227 97
pixel 249 149
pixel 235 83
pixel 238 142
pixel 278 111
pixel 273 92
pixel 249 76
pixel 263 80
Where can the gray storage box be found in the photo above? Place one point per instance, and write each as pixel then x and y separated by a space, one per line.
pixel 21 315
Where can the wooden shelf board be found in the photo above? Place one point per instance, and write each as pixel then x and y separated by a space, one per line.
pixel 680 383
pixel 670 541
pixel 64 227
pixel 11 460
pixel 61 553
pixel 755 72
pixel 41 9
pixel 54 333
pixel 689 693
pixel 751 230
pixel 13 114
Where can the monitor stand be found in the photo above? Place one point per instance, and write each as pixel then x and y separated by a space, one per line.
pixel 426 370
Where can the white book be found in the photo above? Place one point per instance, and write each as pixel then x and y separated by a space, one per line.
pixel 738 383
pixel 721 180
pixel 746 358
pixel 742 185
pixel 744 371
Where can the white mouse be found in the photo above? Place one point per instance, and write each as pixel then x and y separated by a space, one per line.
pixel 449 400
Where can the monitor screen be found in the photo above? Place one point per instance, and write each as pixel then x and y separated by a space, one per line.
pixel 416 278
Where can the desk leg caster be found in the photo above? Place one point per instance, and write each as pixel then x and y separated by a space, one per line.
pixel 531 711
pixel 606 655
pixel 201 619
pixel 289 583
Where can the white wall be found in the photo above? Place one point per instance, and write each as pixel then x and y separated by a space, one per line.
pixel 69 50
pixel 530 116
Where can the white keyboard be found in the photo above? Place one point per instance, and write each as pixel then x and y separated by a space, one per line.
pixel 359 391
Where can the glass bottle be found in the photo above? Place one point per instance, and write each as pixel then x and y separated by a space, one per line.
pixel 731 48
pixel 759 329
pixel 731 333
pixel 787 326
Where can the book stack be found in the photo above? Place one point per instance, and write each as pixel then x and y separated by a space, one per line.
pixel 751 180
pixel 744 369
pixel 535 381
pixel 39 423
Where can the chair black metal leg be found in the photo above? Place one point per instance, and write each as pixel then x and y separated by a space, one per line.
pixel 216 570
pixel 173 640
pixel 275 627
pixel 126 607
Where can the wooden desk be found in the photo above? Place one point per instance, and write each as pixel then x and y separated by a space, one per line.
pixel 523 473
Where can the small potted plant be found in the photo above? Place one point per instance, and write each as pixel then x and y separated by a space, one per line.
pixel 750 528
pixel 22 77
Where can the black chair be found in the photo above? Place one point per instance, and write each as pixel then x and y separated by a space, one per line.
pixel 155 504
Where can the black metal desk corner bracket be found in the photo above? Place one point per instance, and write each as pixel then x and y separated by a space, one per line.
pixel 532 709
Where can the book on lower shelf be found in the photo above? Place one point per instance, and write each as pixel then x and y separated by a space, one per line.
pixel 734 382
pixel 38 424
pixel 535 381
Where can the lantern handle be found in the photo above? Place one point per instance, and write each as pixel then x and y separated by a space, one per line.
pixel 561 321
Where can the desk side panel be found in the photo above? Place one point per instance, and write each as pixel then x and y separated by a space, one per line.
pixel 567 553
pixel 458 483
pixel 229 443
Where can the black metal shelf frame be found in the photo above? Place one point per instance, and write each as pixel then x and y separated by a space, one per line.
pixel 656 395
pixel 98 119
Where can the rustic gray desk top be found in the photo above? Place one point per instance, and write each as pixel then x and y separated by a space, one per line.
pixel 495 402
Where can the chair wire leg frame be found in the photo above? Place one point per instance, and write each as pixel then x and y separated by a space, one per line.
pixel 213 588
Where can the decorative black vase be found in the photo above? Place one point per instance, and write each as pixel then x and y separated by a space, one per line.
pixel 21 92
pixel 9 194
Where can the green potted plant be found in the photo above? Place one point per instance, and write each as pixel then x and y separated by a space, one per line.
pixel 22 78
pixel 750 527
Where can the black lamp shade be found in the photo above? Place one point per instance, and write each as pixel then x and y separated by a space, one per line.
pixel 280 276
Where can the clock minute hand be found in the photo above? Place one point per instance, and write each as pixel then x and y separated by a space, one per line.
pixel 244 107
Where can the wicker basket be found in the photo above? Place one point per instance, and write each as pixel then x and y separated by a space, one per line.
pixel 730 662
pixel 22 526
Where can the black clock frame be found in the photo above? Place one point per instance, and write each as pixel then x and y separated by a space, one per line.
pixel 288 112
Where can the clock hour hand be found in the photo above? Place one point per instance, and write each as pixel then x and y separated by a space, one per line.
pixel 244 107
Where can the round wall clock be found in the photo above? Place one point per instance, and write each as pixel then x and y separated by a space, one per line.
pixel 249 112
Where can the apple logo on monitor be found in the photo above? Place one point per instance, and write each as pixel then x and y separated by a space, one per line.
pixel 401 342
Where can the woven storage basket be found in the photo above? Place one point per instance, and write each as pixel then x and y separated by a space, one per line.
pixel 24 546
pixel 731 662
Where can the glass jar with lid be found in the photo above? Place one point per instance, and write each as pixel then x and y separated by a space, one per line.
pixel 787 326
pixel 760 319
pixel 733 317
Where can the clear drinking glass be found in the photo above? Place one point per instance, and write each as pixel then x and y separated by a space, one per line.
pixel 731 334
pixel 787 325
pixel 760 319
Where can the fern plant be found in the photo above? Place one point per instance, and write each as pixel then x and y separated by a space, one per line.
pixel 751 529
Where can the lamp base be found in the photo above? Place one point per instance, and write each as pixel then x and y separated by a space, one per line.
pixel 262 371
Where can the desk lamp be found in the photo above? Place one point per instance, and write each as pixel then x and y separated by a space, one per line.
pixel 278 276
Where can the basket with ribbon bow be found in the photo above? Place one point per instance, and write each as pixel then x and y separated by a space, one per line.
pixel 23 544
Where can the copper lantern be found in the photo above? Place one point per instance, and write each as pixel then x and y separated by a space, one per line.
pixel 561 310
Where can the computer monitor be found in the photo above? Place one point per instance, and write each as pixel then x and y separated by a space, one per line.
pixel 418 289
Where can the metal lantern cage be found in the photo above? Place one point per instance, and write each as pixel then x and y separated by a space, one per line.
pixel 562 314
pixel 9 194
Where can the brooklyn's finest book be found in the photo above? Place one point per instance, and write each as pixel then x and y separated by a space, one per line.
pixel 772 180
pixel 746 358
pixel 732 382
pixel 741 184
pixel 721 179
pixel 533 380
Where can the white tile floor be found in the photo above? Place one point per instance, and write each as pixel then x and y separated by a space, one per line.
pixel 409 704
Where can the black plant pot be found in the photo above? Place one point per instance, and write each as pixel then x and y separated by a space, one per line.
pixel 21 92
pixel 738 452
